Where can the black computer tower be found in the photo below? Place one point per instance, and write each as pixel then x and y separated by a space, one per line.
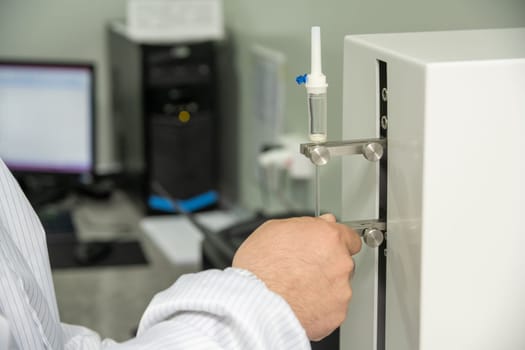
pixel 166 118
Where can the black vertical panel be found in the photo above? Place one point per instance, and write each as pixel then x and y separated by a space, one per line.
pixel 383 166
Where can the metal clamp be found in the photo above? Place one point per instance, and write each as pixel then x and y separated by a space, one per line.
pixel 321 153
pixel 372 231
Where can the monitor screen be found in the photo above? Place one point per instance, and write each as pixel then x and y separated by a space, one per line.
pixel 47 117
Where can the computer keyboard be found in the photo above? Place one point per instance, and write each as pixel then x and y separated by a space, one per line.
pixel 237 233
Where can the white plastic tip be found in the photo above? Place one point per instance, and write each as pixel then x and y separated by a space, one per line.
pixel 316 51
pixel 316 81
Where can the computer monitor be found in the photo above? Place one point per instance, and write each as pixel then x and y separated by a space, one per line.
pixel 47 117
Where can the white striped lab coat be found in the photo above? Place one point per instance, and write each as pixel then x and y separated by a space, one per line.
pixel 214 309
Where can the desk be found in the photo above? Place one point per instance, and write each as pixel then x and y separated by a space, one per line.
pixel 179 240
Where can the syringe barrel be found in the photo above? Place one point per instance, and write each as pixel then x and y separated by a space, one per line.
pixel 317 110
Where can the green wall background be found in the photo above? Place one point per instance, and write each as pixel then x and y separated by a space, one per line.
pixel 75 29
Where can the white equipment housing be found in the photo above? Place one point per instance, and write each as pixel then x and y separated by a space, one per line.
pixel 455 262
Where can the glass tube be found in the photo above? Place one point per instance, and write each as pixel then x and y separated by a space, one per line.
pixel 317 115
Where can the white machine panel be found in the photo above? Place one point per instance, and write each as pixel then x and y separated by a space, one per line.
pixel 455 274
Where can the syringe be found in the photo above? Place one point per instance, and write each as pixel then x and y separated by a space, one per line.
pixel 316 87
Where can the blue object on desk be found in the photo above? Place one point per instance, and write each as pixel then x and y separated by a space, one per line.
pixel 189 205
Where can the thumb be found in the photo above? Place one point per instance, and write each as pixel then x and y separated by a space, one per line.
pixel 328 217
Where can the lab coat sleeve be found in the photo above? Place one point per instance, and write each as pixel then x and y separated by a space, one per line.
pixel 214 309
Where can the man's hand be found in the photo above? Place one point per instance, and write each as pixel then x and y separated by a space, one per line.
pixel 308 261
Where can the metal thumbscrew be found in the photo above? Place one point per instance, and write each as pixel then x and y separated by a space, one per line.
pixel 373 237
pixel 320 155
pixel 373 151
